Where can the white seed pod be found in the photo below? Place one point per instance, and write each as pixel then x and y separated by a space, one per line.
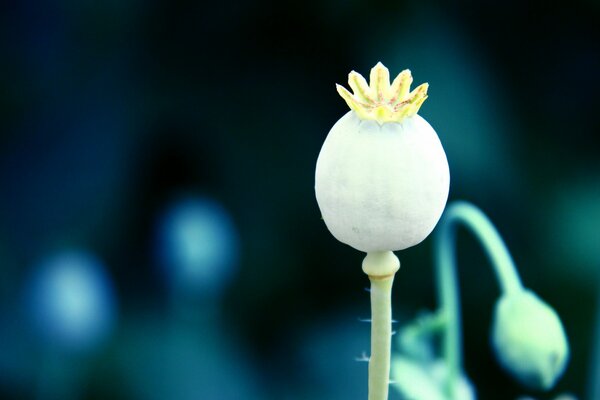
pixel 382 176
pixel 529 340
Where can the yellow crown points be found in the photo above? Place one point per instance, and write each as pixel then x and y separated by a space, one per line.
pixel 380 101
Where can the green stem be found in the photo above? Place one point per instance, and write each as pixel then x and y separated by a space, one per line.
pixel 483 229
pixel 380 267
pixel 381 337
pixel 425 325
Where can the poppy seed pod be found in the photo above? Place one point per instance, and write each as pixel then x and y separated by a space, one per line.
pixel 382 176
pixel 529 339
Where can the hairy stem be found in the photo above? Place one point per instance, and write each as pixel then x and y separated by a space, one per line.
pixel 381 336
pixel 380 266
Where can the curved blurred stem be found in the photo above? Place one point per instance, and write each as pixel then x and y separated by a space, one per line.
pixel 381 336
pixel 483 229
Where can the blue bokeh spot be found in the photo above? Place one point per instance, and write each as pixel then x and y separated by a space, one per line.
pixel 197 245
pixel 72 301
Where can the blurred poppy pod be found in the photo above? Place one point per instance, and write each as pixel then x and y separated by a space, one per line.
pixel 529 339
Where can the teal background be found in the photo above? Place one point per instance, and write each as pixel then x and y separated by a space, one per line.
pixel 110 111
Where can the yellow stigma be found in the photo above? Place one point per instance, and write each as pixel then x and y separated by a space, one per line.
pixel 380 101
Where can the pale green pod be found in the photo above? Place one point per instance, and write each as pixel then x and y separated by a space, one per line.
pixel 382 176
pixel 529 339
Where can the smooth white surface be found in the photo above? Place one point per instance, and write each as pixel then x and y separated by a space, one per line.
pixel 381 187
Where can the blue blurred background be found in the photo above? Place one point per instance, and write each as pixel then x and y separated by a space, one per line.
pixel 159 235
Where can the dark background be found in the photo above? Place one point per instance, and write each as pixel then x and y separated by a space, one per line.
pixel 111 110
